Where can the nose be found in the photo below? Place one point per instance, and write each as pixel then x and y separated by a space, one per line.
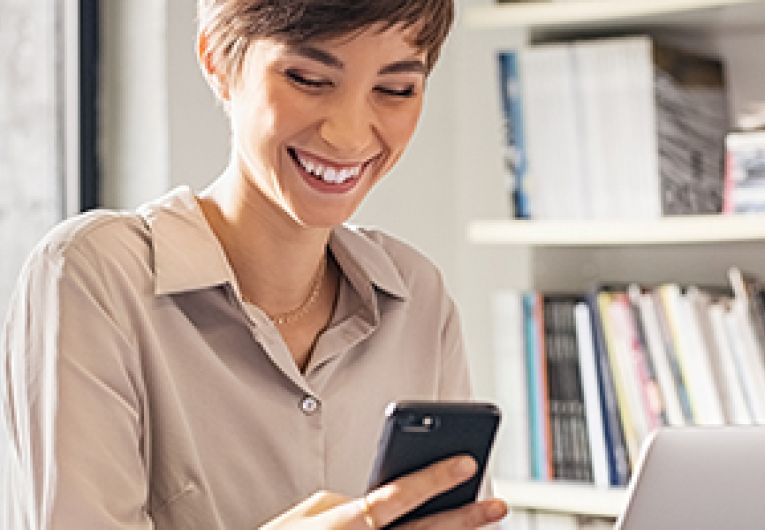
pixel 349 126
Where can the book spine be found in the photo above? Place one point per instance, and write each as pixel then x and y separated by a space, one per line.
pixel 751 357
pixel 557 406
pixel 544 391
pixel 537 390
pixel 591 395
pixel 739 412
pixel 692 120
pixel 570 444
pixel 625 382
pixel 510 383
pixel 650 398
pixel 658 353
pixel 618 461
pixel 662 314
pixel 515 146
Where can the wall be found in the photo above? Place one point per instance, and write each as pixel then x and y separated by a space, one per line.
pixel 134 127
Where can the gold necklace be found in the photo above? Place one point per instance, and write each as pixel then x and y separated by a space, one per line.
pixel 295 314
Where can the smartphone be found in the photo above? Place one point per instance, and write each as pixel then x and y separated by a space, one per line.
pixel 419 433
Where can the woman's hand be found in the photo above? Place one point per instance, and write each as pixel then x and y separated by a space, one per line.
pixel 330 511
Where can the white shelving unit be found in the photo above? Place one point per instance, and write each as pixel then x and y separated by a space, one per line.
pixel 731 26
pixel 576 233
pixel 561 497
pixel 613 13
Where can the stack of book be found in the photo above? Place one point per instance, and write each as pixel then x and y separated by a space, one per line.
pixel 619 127
pixel 585 378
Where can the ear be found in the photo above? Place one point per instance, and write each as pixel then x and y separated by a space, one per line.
pixel 215 78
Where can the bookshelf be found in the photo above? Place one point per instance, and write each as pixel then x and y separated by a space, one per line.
pixel 586 14
pixel 727 28
pixel 562 497
pixel 689 229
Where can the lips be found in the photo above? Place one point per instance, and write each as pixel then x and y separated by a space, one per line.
pixel 327 175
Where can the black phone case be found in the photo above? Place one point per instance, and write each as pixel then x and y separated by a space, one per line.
pixel 460 428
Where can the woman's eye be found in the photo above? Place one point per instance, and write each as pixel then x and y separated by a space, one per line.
pixel 404 92
pixel 306 81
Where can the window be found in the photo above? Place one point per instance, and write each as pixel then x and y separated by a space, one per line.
pixel 48 82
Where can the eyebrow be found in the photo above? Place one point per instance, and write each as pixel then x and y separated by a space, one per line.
pixel 315 54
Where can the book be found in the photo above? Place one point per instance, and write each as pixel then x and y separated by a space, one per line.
pixel 752 290
pixel 632 422
pixel 744 172
pixel 571 455
pixel 618 134
pixel 515 145
pixel 616 451
pixel 658 353
pixel 718 350
pixel 667 337
pixel 736 409
pixel 691 120
pixel 739 337
pixel 692 357
pixel 536 381
pixel 653 400
pixel 551 125
pixel 588 373
pixel 748 345
pixel 512 445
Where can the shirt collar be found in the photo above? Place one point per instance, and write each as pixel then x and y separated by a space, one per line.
pixel 365 260
pixel 188 255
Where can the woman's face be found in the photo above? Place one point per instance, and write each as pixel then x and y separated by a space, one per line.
pixel 316 125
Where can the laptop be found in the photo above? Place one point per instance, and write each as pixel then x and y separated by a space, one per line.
pixel 699 478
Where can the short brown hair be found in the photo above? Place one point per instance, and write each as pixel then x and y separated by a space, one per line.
pixel 230 25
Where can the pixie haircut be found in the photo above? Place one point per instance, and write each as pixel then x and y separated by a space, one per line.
pixel 230 25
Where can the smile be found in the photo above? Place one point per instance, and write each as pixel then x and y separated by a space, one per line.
pixel 327 172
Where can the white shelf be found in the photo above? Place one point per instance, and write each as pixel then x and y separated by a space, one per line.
pixel 665 231
pixel 599 13
pixel 562 497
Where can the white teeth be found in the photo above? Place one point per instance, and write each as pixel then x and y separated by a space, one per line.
pixel 329 174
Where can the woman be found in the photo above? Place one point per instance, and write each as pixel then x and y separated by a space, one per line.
pixel 209 361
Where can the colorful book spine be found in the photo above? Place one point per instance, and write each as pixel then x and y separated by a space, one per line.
pixel 618 460
pixel 624 384
pixel 536 373
pixel 515 146
pixel 657 351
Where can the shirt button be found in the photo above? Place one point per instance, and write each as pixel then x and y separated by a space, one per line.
pixel 309 405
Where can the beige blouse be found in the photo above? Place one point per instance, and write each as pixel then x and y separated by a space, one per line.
pixel 138 392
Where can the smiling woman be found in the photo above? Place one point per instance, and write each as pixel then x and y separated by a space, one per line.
pixel 213 361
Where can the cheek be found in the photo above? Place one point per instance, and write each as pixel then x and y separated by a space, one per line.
pixel 263 119
pixel 399 127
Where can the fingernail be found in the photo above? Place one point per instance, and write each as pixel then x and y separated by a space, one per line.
pixel 464 467
pixel 496 510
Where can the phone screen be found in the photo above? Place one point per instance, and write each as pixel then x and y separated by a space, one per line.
pixel 419 433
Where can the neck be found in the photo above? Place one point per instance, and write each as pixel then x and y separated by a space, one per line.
pixel 274 258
